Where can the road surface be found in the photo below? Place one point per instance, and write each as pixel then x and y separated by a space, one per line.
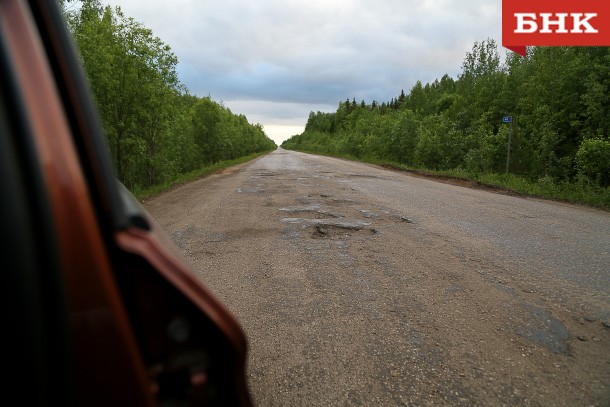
pixel 358 285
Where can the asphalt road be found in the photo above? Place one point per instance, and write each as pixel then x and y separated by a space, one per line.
pixel 358 285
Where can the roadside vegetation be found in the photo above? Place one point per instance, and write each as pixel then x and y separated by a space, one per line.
pixel 559 102
pixel 158 133
pixel 143 193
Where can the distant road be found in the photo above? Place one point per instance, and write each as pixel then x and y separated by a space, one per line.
pixel 362 286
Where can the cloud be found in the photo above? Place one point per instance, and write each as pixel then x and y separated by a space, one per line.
pixel 284 53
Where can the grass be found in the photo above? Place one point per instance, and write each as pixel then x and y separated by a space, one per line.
pixel 144 193
pixel 579 192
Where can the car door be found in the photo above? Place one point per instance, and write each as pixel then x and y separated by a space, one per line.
pixel 99 307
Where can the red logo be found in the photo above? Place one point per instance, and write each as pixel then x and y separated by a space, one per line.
pixel 555 23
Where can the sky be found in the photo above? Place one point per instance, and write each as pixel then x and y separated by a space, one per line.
pixel 275 61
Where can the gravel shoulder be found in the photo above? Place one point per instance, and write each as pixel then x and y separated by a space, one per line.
pixel 362 286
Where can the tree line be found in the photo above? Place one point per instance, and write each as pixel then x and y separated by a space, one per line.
pixel 558 99
pixel 156 130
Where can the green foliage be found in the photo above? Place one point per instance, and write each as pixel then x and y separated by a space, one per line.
pixel 155 129
pixel 593 161
pixel 559 98
pixel 403 137
pixel 440 145
pixel 488 151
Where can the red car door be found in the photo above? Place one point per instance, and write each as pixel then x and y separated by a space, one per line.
pixel 100 307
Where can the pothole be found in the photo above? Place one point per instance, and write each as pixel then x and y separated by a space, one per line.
pixel 351 224
pixel 544 328
pixel 344 201
pixel 313 209
pixel 406 219
pixel 368 213
pixel 336 231
pixel 330 228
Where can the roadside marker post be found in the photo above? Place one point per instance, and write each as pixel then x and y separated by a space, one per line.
pixel 508 119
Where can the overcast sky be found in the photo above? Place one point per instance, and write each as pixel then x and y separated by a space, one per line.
pixel 276 60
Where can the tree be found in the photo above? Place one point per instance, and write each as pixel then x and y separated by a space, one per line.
pixel 403 137
pixel 561 117
pixel 133 76
pixel 593 161
pixel 155 130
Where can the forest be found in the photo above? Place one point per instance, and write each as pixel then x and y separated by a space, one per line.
pixel 155 129
pixel 557 97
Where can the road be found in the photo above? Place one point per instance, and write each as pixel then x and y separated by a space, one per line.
pixel 358 285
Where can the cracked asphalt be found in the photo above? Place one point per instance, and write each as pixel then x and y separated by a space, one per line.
pixel 357 285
